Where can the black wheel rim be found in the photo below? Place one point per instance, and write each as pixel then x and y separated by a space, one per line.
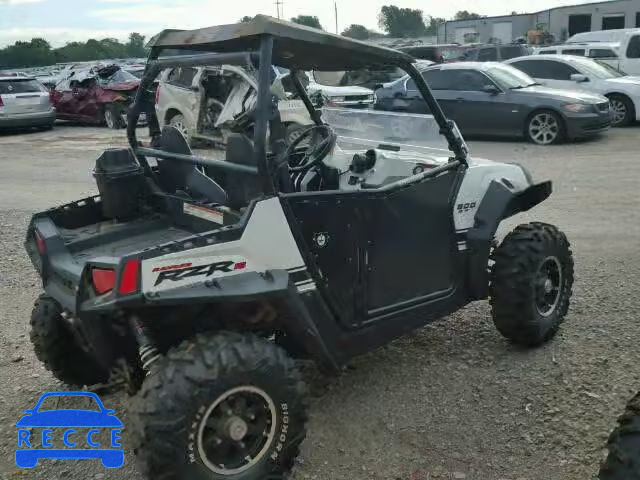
pixel 548 286
pixel 237 430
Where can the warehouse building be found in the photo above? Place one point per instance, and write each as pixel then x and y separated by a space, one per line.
pixel 560 23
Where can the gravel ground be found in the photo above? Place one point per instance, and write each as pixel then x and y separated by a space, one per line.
pixel 452 401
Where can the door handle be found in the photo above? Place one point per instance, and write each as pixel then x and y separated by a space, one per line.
pixel 460 99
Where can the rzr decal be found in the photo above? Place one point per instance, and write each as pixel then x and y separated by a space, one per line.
pixel 175 273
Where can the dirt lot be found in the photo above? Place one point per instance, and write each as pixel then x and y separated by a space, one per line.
pixel 453 401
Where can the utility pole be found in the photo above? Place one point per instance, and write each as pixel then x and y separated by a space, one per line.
pixel 335 4
pixel 279 5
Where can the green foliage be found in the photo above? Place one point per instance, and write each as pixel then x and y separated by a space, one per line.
pixel 246 19
pixel 432 25
pixel 401 22
pixel 308 20
pixel 465 15
pixel 38 52
pixel 359 32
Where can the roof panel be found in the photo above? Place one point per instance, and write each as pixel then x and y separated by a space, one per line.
pixel 294 45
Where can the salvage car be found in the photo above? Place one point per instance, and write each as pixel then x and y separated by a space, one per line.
pixel 99 96
pixel 25 102
pixel 205 289
pixel 206 103
pixel 587 75
pixel 493 99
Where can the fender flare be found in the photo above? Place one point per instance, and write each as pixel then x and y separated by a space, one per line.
pixel 500 202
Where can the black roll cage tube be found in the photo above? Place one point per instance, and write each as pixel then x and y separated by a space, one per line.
pixel 144 101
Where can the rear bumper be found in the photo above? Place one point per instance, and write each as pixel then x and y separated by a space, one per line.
pixel 37 119
pixel 587 125
pixel 361 104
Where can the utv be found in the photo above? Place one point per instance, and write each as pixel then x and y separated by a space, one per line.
pixel 203 279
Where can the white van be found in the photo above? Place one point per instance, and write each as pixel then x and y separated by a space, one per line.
pixel 625 43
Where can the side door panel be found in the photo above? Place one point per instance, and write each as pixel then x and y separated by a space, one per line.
pixel 409 247
pixel 380 254
pixel 329 229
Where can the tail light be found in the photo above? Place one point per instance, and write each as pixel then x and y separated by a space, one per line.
pixel 157 94
pixel 40 244
pixel 1 102
pixel 129 279
pixel 104 280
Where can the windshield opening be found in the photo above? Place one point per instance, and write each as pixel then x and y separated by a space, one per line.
pixel 509 77
pixel 404 132
pixel 120 76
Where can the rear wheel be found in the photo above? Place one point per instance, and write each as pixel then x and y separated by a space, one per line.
pixel 178 122
pixel 113 116
pixel 623 460
pixel 56 347
pixel 623 111
pixel 544 128
pixel 530 284
pixel 227 406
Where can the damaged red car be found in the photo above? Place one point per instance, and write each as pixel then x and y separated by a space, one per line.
pixel 97 96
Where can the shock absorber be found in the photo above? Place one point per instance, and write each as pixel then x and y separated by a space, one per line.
pixel 146 349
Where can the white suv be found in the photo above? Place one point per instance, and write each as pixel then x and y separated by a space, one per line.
pixel 203 102
pixel 25 102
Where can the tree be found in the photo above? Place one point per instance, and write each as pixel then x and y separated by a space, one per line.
pixel 432 25
pixel 401 22
pixel 135 46
pixel 465 15
pixel 38 52
pixel 246 19
pixel 359 32
pixel 308 20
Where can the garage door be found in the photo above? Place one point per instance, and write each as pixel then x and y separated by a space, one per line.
pixel 503 32
pixel 466 35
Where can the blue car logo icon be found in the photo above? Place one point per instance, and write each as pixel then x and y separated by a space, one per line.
pixel 32 448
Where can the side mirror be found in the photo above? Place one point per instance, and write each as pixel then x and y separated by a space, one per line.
pixel 579 78
pixel 491 89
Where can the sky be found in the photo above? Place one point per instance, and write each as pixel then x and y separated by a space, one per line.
pixel 61 21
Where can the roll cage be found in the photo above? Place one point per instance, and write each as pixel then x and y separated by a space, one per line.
pixel 259 44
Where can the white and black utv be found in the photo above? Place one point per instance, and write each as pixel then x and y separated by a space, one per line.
pixel 202 279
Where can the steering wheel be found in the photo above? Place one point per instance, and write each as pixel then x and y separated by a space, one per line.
pixel 316 152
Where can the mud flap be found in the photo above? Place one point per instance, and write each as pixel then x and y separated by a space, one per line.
pixel 499 203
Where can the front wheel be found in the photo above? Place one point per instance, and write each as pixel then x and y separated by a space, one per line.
pixel 622 109
pixel 178 122
pixel 530 283
pixel 623 460
pixel 113 116
pixel 227 406
pixel 545 128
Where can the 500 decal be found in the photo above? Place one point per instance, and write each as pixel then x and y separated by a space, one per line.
pixel 175 273
pixel 466 207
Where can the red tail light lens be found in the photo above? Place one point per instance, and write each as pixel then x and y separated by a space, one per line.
pixel 2 103
pixel 41 246
pixel 129 279
pixel 157 94
pixel 104 280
